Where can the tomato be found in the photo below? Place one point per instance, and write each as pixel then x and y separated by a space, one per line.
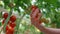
pixel 3 21
pixel 12 24
pixel 9 33
pixel 13 18
pixel 5 15
pixel 10 30
pixel 7 28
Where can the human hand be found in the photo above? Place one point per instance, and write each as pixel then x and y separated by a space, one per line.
pixel 35 17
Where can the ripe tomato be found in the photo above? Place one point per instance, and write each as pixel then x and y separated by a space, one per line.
pixel 13 18
pixel 12 24
pixel 3 21
pixel 9 33
pixel 5 15
pixel 10 30
pixel 7 27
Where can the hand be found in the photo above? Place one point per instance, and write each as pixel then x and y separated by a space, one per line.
pixel 35 17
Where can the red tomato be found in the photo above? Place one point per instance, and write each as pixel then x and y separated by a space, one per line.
pixel 10 30
pixel 13 18
pixel 12 24
pixel 7 28
pixel 5 15
pixel 3 21
pixel 9 33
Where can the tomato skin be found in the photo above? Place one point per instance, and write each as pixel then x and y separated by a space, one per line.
pixel 13 18
pixel 12 24
pixel 5 15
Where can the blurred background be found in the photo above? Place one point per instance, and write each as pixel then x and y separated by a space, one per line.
pixel 21 9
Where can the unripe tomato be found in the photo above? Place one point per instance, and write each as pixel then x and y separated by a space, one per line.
pixel 3 21
pixel 5 15
pixel 12 24
pixel 13 18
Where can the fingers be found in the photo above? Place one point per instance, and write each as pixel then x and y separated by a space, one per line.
pixel 34 13
pixel 35 19
pixel 39 15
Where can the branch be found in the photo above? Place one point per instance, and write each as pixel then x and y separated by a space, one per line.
pixel 3 10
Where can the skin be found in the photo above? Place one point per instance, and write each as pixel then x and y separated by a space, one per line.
pixel 42 28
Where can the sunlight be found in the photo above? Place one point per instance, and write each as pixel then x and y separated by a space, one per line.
pixel 33 1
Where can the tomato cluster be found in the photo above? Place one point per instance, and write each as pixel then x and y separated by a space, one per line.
pixel 11 23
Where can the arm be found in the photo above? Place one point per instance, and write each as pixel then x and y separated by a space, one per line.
pixel 48 30
pixel 35 22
